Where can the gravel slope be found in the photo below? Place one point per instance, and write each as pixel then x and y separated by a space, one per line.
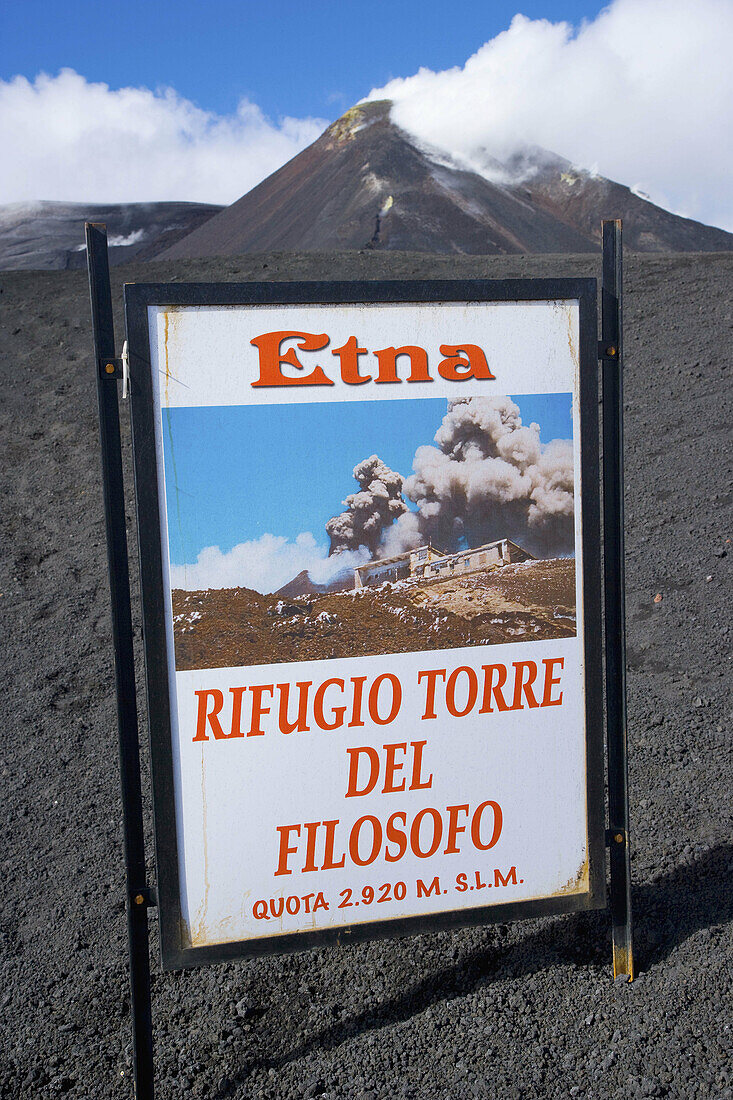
pixel 517 1011
pixel 230 627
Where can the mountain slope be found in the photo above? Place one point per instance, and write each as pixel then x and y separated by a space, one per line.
pixel 365 184
pixel 304 585
pixel 50 235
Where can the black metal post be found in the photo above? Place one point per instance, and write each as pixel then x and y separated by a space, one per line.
pixel 611 353
pixel 138 897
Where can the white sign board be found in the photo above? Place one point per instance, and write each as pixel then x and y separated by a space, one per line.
pixel 371 618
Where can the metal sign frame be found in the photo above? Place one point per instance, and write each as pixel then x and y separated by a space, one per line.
pixel 138 297
pixel 109 369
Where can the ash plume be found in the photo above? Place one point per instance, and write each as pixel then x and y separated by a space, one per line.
pixel 370 511
pixel 489 477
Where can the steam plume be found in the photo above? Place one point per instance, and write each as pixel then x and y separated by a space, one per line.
pixel 539 83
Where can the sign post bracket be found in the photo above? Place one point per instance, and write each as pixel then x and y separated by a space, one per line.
pixel 610 352
pixel 139 895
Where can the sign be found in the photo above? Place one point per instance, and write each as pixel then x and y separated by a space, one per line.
pixel 369 537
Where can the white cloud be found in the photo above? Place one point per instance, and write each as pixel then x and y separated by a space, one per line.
pixel 63 138
pixel 643 93
pixel 264 564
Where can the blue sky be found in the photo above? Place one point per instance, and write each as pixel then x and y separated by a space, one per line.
pixel 245 471
pixel 142 102
pixel 292 57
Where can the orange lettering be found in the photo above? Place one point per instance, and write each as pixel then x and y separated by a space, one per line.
pixel 454 828
pixel 237 694
pixel 269 345
pixel 432 675
pixel 348 355
pixel 398 836
pixel 376 840
pixel 520 686
pixel 476 825
pixel 550 681
pixel 211 716
pixel 285 849
pixel 415 832
pixel 258 709
pixel 457 369
pixel 311 829
pixel 353 791
pixel 358 682
pixel 374 699
pixel 450 692
pixel 418 357
pixel 300 722
pixel 391 766
pixel 489 686
pixel 338 712
pixel 328 863
pixel 417 784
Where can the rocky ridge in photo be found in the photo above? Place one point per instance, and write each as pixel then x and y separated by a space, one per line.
pixel 220 628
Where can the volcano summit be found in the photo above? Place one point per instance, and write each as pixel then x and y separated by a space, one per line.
pixel 365 183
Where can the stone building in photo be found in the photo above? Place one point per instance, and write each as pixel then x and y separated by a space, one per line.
pixel 431 563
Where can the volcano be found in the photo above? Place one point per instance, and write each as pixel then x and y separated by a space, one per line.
pixel 366 184
pixel 304 585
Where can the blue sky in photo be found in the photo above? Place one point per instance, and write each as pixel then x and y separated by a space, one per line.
pixel 234 473
pixel 291 57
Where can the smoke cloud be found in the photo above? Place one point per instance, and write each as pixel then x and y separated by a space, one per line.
pixel 664 127
pixel 488 477
pixel 369 512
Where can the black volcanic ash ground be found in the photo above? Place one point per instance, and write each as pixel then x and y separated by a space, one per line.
pixel 525 1010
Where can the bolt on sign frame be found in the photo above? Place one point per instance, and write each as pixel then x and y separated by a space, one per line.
pixel 149 309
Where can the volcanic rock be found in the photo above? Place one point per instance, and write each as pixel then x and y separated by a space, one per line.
pixel 528 1008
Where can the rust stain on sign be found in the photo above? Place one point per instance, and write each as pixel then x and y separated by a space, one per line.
pixel 170 332
pixel 572 344
pixel 573 348
pixel 198 934
pixel 577 883
pixel 166 324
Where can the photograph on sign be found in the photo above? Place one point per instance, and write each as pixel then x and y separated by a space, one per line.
pixel 237 536
pixel 371 530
